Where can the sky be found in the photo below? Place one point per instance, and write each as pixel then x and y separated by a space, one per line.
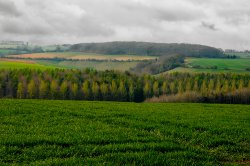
pixel 220 23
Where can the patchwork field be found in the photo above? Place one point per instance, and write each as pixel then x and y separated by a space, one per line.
pixel 40 132
pixel 82 56
pixel 45 64
pixel 20 64
pixel 98 65
pixel 215 65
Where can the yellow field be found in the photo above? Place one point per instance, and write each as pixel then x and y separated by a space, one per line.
pixel 82 56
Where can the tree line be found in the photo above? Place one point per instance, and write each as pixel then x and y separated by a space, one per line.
pixel 89 84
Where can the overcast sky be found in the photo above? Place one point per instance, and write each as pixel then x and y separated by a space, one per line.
pixel 219 23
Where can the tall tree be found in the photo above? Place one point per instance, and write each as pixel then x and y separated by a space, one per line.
pixel 113 90
pixel 164 88
pixel 54 88
pixel 43 90
pixel 86 90
pixel 122 92
pixel 131 92
pixel 20 91
pixel 95 90
pixel 104 91
pixel 32 92
pixel 74 91
pixel 156 90
pixel 64 90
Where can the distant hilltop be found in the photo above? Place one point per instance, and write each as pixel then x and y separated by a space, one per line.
pixel 14 43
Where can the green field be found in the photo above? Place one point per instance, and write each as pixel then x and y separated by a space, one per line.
pixel 98 65
pixel 223 65
pixel 41 132
pixel 239 54
pixel 21 65
pixel 82 56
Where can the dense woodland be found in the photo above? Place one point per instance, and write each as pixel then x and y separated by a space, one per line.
pixel 115 86
pixel 152 49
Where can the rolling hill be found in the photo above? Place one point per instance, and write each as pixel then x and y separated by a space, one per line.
pixel 145 48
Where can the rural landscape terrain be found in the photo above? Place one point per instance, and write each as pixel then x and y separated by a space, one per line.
pixel 114 82
pixel 53 131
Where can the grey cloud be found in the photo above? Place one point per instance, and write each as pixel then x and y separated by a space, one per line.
pixel 63 21
pixel 209 26
pixel 8 8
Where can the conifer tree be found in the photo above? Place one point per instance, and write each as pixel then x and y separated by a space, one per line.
pixel 54 88
pixel 20 91
pixel 164 88
pixel 43 90
pixel 122 92
pixel 156 90
pixel 113 90
pixel 32 90
pixel 86 90
pixel 63 90
pixel 147 90
pixel 104 91
pixel 131 92
pixel 95 90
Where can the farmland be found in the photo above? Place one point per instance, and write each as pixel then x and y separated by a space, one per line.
pixel 98 65
pixel 42 132
pixel 82 56
pixel 215 65
pixel 19 64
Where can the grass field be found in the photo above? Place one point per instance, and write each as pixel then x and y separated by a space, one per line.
pixel 18 64
pixel 241 55
pixel 223 65
pixel 40 132
pixel 83 56
pixel 98 65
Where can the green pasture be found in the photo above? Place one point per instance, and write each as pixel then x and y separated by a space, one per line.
pixel 21 65
pixel 207 64
pixel 41 132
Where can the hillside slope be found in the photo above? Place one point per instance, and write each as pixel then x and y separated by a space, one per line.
pixel 145 48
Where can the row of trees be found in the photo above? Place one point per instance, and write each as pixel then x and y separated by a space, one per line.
pixel 113 86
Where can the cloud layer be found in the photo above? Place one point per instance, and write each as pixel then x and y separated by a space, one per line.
pixel 223 24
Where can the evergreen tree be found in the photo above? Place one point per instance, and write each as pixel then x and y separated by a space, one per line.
pixel 74 91
pixel 86 90
pixel 241 84
pixel 164 88
pixel 20 91
pixel 172 88
pixel 113 90
pixel 188 86
pixel 54 88
pixel 147 90
pixel 225 87
pixel 122 92
pixel 104 91
pixel 180 87
pixel 32 90
pixel 43 90
pixel 95 90
pixel 63 90
pixel 233 86
pixel 131 92
pixel 204 89
pixel 156 90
